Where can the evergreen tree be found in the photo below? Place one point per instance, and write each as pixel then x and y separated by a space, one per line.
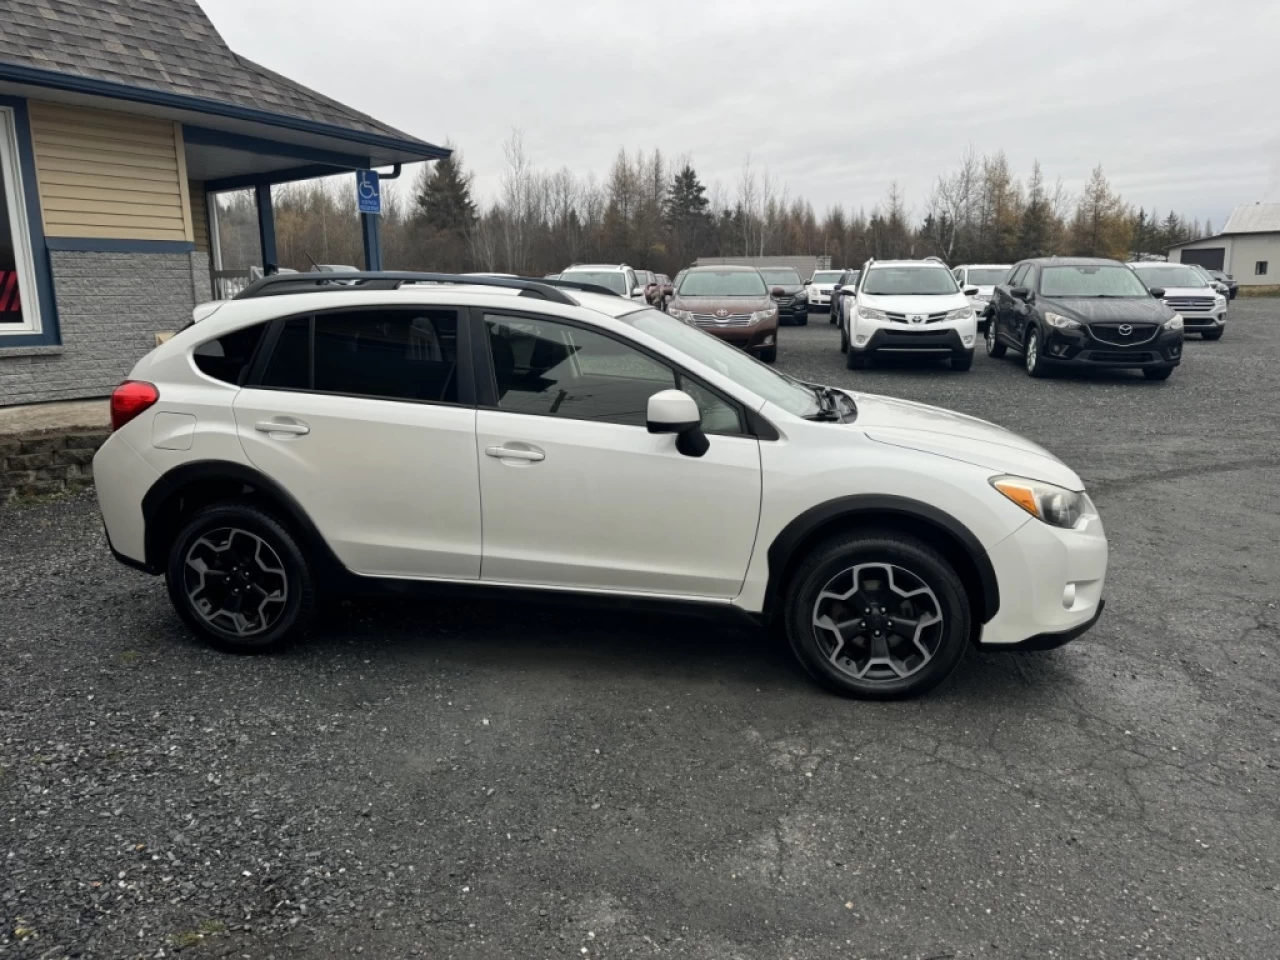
pixel 444 197
pixel 1035 232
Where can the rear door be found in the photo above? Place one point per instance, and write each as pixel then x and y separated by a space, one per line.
pixel 1002 302
pixel 367 420
pixel 578 494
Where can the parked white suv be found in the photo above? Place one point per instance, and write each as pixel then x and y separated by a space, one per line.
pixel 1184 288
pixel 820 287
pixel 908 307
pixel 617 277
pixel 984 276
pixel 312 436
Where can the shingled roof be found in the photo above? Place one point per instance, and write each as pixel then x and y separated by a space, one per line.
pixel 169 46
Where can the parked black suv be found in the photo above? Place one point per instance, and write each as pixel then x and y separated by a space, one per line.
pixel 1228 281
pixel 793 303
pixel 1079 311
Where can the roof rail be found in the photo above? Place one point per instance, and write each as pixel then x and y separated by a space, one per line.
pixel 286 283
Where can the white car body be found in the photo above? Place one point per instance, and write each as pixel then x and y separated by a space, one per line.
pixel 820 290
pixel 1202 308
pixel 940 324
pixel 632 284
pixel 405 491
pixel 982 299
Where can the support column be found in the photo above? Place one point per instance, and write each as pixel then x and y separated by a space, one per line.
pixel 266 226
pixel 370 230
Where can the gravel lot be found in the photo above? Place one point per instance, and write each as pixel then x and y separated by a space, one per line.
pixel 481 781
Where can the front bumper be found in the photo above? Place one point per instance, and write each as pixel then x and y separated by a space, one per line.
pixel 900 338
pixel 752 339
pixel 819 299
pixel 793 310
pixel 1080 348
pixel 1199 322
pixel 1051 585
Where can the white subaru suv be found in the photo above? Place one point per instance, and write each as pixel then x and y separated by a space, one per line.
pixel 396 431
pixel 1184 288
pixel 908 307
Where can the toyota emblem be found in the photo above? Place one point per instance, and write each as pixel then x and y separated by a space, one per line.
pixel 1126 329
pixel 722 313
pixel 917 319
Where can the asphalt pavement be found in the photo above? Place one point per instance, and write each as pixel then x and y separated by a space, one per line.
pixel 490 780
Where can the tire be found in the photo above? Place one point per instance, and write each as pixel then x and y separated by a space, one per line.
pixel 844 340
pixel 856 359
pixel 831 316
pixel 1214 334
pixel 962 361
pixel 802 321
pixel 1033 361
pixel 254 534
pixel 1157 373
pixel 769 354
pixel 995 349
pixel 858 563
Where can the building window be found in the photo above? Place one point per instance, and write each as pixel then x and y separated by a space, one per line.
pixel 1260 268
pixel 19 310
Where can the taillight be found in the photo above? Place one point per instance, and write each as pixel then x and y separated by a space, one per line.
pixel 130 399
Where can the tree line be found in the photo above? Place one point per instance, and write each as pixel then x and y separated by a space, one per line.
pixel 656 213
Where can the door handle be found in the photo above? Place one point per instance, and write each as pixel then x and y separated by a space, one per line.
pixel 292 428
pixel 529 454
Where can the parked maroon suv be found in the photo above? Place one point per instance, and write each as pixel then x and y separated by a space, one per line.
pixel 731 302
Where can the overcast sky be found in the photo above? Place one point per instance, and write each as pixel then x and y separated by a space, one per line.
pixel 1179 101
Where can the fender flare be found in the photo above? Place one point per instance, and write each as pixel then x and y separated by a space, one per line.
pixel 873 508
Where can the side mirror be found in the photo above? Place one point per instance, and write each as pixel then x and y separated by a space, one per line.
pixel 637 291
pixel 674 411
pixel 807 282
pixel 847 291
pixel 1157 292
pixel 970 291
pixel 777 292
pixel 1020 293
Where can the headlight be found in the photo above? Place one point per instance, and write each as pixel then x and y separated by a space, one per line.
pixel 682 315
pixel 762 315
pixel 869 313
pixel 964 313
pixel 1219 301
pixel 1174 322
pixel 1056 506
pixel 1061 322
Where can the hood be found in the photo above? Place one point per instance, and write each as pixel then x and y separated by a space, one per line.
pixel 918 426
pixel 909 304
pixel 987 291
pixel 712 304
pixel 1089 309
pixel 1191 292
pixel 788 288
pixel 824 286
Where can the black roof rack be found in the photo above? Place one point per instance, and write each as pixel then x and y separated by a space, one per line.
pixel 286 283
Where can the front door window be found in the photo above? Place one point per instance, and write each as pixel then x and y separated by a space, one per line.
pixel 19 312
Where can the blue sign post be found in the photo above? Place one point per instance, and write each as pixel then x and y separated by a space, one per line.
pixel 368 192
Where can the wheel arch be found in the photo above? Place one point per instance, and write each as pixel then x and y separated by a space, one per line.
pixel 187 488
pixel 949 536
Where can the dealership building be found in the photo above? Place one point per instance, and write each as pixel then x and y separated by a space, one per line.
pixel 119 125
pixel 1248 248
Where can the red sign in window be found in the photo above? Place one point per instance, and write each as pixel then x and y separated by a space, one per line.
pixel 10 302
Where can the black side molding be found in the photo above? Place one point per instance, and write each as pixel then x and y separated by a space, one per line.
pixel 873 508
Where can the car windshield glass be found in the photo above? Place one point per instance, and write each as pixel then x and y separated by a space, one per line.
pixel 827 276
pixel 782 277
pixel 986 277
pixel 1091 280
pixel 1171 275
pixel 610 279
pixel 730 361
pixel 722 283
pixel 909 281
pixel 1218 275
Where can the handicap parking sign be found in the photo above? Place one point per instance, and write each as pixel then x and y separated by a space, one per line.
pixel 368 192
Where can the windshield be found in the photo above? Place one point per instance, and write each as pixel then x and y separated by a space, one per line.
pixel 722 283
pixel 781 276
pixel 609 279
pixel 1091 280
pixel 738 365
pixel 986 277
pixel 1171 275
pixel 909 281
pixel 1218 275
pixel 828 276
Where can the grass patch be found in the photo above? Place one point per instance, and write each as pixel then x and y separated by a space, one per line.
pixel 129 656
pixel 191 938
pixel 1272 290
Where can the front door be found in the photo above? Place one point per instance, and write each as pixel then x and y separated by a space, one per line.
pixel 577 493
pixel 359 415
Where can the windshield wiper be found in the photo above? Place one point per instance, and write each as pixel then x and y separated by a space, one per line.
pixel 829 403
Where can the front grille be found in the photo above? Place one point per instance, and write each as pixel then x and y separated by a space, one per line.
pixel 1202 304
pixel 732 320
pixel 1103 356
pixel 784 301
pixel 1111 333
pixel 928 318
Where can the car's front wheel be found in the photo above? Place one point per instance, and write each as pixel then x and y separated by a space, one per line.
pixel 1157 373
pixel 769 354
pixel 877 615
pixel 844 340
pixel 238 578
pixel 855 359
pixel 1214 334
pixel 962 361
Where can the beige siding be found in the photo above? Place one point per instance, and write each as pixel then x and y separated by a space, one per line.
pixel 199 215
pixel 110 175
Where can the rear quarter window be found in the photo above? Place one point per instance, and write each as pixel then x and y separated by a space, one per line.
pixel 228 357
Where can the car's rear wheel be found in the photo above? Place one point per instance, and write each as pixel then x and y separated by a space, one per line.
pixel 1031 354
pixel 1157 373
pixel 877 615
pixel 995 349
pixel 239 580
pixel 1214 334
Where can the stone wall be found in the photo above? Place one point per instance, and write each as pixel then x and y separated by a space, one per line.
pixel 110 307
pixel 43 462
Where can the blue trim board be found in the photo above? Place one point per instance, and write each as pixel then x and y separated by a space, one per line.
pixel 206 137
pixel 266 225
pixel 48 334
pixel 371 234
pixel 177 101
pixel 308 172
pixel 96 245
